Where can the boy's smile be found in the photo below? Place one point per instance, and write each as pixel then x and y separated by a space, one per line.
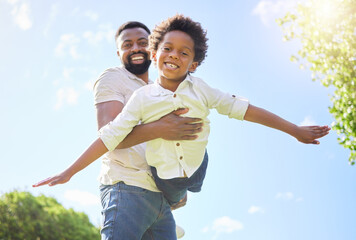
pixel 174 59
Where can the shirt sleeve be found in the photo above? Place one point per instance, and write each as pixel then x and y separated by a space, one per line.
pixel 115 131
pixel 109 87
pixel 225 103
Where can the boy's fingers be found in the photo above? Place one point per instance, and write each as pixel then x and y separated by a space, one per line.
pixel 43 182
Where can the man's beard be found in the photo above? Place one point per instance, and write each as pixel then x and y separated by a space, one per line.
pixel 138 69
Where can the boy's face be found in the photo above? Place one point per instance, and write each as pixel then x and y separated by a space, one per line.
pixel 132 50
pixel 175 56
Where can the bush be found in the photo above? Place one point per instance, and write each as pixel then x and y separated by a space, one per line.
pixel 24 216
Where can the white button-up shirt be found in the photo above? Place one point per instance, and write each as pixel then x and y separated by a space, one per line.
pixel 151 102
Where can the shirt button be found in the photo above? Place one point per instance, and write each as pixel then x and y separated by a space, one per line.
pixel 177 144
pixel 181 157
pixel 174 95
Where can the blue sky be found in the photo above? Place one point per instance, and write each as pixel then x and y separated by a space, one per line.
pixel 260 184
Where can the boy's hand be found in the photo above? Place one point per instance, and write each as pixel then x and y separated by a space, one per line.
pixel 309 134
pixel 51 181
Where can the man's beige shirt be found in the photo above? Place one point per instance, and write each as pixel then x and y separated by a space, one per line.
pixel 126 165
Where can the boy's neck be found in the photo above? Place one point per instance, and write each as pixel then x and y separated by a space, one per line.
pixel 169 84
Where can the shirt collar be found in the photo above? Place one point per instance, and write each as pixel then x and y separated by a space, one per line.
pixel 158 90
pixel 134 77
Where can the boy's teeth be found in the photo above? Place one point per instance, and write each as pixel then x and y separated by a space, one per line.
pixel 172 65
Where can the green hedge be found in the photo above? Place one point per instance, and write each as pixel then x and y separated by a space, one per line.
pixel 24 216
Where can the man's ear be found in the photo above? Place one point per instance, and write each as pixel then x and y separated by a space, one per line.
pixel 193 67
pixel 118 53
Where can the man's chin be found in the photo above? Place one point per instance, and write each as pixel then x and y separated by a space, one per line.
pixel 138 69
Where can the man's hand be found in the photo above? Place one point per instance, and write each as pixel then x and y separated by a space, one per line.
pixel 309 134
pixel 175 127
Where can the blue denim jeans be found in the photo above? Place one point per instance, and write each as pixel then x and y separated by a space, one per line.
pixel 176 188
pixel 133 213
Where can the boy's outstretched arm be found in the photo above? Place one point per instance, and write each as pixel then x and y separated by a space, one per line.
pixel 96 150
pixel 304 134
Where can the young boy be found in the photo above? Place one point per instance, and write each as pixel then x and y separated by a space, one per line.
pixel 178 46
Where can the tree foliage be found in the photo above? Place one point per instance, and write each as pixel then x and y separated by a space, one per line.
pixel 24 216
pixel 327 31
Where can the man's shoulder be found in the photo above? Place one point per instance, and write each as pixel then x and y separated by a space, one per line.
pixel 111 76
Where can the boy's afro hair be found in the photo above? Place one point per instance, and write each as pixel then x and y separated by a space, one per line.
pixel 186 25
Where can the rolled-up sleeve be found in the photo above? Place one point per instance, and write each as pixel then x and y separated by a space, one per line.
pixel 239 108
pixel 115 131
pixel 225 103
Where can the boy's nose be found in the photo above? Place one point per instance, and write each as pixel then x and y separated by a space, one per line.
pixel 173 55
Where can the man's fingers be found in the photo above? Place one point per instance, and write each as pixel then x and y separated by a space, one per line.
pixel 189 137
pixel 180 111
pixel 193 131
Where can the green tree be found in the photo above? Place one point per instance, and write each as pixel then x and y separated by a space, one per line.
pixel 24 216
pixel 327 31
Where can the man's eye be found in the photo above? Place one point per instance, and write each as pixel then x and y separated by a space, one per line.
pixel 127 45
pixel 143 44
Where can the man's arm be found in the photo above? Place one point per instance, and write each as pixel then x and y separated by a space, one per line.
pixel 169 127
pixel 304 134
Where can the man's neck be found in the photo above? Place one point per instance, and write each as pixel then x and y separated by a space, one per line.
pixel 143 76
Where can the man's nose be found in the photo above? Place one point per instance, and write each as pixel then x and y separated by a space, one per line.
pixel 136 47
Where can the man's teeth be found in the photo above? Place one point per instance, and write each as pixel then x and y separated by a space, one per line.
pixel 137 58
pixel 172 65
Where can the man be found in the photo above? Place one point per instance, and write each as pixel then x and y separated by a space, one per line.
pixel 133 207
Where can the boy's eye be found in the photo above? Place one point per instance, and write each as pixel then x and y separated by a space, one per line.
pixel 185 54
pixel 165 48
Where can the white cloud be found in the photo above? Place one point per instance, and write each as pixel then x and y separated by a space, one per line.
pixel 268 11
pixel 68 45
pixel 12 1
pixel 105 32
pixel 255 209
pixel 84 198
pixel 21 15
pixel 223 225
pixel 285 196
pixel 226 225
pixel 92 15
pixel 66 95
pixel 52 16
pixel 300 199
pixel 67 72
pixel 308 121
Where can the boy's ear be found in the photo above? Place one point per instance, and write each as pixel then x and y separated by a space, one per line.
pixel 153 56
pixel 193 67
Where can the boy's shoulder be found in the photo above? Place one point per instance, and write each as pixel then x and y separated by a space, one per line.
pixel 197 81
